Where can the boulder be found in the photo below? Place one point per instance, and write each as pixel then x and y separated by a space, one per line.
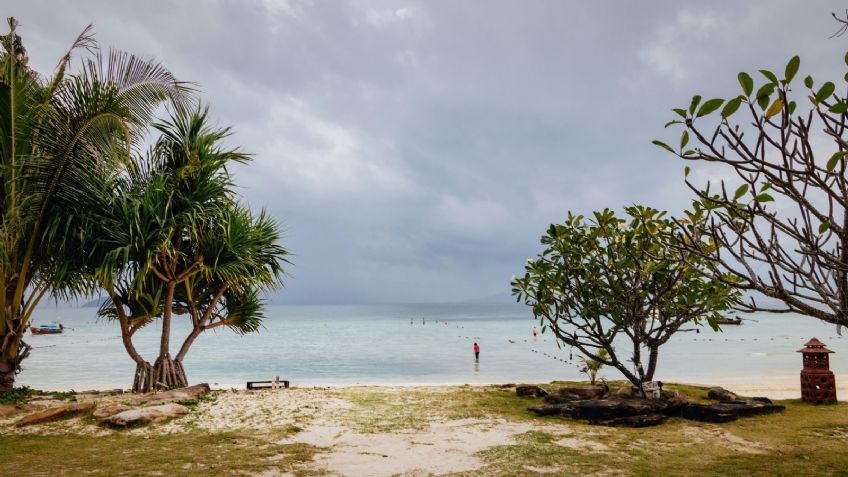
pixel 642 420
pixel 146 415
pixel 611 408
pixel 7 410
pixel 596 391
pixel 721 394
pixel 108 411
pixel 530 390
pixel 625 392
pixel 546 409
pixel 728 411
pixel 56 413
pixel 181 394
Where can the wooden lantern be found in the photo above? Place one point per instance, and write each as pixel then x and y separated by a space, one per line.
pixel 818 384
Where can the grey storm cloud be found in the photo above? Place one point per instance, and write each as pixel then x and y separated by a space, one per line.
pixel 415 151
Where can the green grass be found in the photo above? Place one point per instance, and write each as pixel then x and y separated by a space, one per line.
pixel 185 454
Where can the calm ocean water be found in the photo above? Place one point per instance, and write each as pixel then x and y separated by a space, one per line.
pixel 365 344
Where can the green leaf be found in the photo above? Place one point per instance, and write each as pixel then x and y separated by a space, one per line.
pixel 766 186
pixel 746 82
pixel 823 227
pixel 834 159
pixel 846 58
pixel 769 75
pixel 684 139
pixel 825 91
pixel 695 100
pixel 731 107
pixel 808 82
pixel 664 146
pixel 838 108
pixel 740 191
pixel 764 198
pixel 681 112
pixel 792 68
pixel 686 171
pixel 763 94
pixel 775 108
pixel 673 121
pixel 792 106
pixel 710 106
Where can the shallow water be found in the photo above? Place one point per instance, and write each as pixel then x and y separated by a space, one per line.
pixel 367 344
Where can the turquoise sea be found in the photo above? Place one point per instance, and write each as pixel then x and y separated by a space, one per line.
pixel 377 344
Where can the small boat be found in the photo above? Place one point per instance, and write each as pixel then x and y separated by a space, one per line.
pixel 53 328
pixel 729 321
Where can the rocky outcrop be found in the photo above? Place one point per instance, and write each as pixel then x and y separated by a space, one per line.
pixel 7 410
pixel 530 390
pixel 108 411
pixel 642 420
pixel 721 394
pixel 57 413
pixel 609 412
pixel 577 393
pixel 146 415
pixel 181 394
pixel 729 410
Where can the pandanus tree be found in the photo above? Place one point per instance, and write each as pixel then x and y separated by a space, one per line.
pixel 617 290
pixel 54 132
pixel 176 242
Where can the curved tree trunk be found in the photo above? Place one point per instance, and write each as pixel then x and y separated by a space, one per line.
pixel 10 366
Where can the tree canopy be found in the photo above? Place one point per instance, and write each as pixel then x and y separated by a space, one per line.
pixel 615 288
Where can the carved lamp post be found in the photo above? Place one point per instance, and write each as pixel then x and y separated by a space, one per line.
pixel 818 384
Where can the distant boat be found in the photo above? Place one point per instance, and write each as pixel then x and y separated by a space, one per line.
pixel 53 328
pixel 729 321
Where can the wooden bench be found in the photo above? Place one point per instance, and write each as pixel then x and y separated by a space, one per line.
pixel 266 384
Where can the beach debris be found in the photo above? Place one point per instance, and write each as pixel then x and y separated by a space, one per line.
pixel 105 412
pixel 146 415
pixel 720 394
pixel 8 410
pixel 179 394
pixel 54 413
pixel 729 410
pixel 530 390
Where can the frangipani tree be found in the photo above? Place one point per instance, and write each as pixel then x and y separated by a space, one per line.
pixel 616 289
pixel 54 132
pixel 779 225
pixel 176 243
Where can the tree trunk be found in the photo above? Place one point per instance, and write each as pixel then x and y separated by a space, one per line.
pixel 11 366
pixel 168 373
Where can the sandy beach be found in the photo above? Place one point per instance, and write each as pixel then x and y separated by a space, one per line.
pixel 418 431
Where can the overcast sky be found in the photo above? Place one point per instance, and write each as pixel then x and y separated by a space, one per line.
pixel 415 151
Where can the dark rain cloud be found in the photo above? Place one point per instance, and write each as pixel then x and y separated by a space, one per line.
pixel 415 151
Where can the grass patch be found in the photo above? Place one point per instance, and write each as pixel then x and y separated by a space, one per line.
pixel 186 454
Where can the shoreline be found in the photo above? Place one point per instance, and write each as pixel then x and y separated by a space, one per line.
pixel 776 387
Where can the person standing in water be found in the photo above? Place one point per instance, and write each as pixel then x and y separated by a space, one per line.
pixel 476 352
pixel 534 332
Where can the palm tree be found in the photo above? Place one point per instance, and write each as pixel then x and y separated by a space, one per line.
pixel 176 242
pixel 58 136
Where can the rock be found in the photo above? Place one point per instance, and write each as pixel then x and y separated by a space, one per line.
pixel 6 410
pixel 559 398
pixel 763 400
pixel 721 394
pixel 146 415
pixel 181 394
pixel 530 390
pixel 625 392
pixel 728 411
pixel 57 412
pixel 674 404
pixel 506 386
pixel 596 391
pixel 547 409
pixel 643 420
pixel 611 408
pixel 108 411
